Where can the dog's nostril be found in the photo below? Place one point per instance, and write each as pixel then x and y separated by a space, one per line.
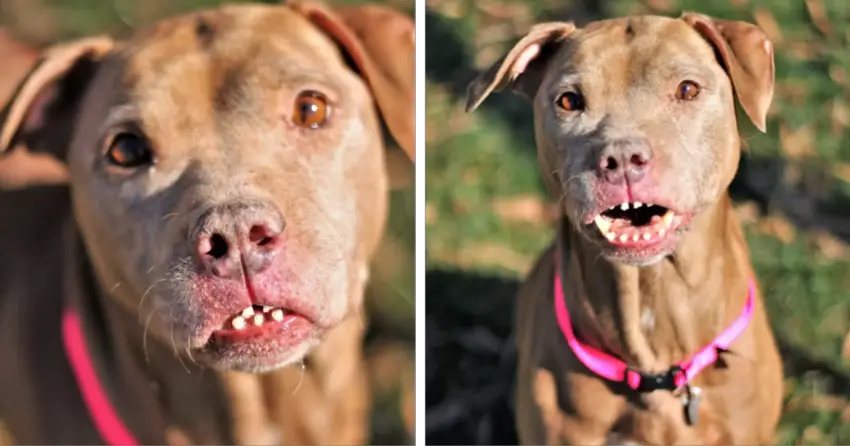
pixel 218 246
pixel 609 163
pixel 260 235
pixel 638 159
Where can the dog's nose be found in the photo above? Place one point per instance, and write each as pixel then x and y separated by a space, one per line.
pixel 238 235
pixel 625 159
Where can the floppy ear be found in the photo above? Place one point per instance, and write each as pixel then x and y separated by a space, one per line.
pixel 40 110
pixel 522 68
pixel 746 54
pixel 380 42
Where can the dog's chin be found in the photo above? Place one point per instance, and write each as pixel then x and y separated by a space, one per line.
pixel 237 359
pixel 639 256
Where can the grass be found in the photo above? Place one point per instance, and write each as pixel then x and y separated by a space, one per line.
pixel 487 211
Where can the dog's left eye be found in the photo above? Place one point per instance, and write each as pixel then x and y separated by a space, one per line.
pixel 687 91
pixel 129 150
pixel 311 110
pixel 571 101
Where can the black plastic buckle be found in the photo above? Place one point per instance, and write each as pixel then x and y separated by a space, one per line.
pixel 662 381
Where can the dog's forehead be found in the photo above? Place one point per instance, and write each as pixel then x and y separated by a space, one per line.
pixel 227 37
pixel 612 45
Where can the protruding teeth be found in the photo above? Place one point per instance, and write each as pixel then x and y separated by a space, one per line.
pixel 668 218
pixel 637 204
pixel 602 223
pixel 624 238
pixel 258 319
pixel 267 308
pixel 238 323
pixel 646 236
pixel 635 237
pixel 248 312
pixel 277 315
pixel 624 207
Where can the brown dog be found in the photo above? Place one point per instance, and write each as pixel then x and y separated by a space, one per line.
pixel 227 190
pixel 637 136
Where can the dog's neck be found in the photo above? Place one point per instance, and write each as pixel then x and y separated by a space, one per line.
pixel 653 316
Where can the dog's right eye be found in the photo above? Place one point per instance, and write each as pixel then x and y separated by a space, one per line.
pixel 311 110
pixel 571 101
pixel 129 150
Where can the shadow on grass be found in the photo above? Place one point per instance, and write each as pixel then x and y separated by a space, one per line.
pixel 471 359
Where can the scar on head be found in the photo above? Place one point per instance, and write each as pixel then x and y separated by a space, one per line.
pixel 204 30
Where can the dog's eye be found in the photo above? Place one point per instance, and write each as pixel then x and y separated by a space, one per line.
pixel 687 91
pixel 571 101
pixel 129 150
pixel 311 110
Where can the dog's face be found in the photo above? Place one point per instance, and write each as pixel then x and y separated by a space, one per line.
pixel 635 124
pixel 228 180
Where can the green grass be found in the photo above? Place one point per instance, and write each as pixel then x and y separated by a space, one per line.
pixel 478 159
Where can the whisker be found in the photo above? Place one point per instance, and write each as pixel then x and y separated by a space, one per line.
pixel 145 295
pixel 300 378
pixel 189 352
pixel 174 344
pixel 145 336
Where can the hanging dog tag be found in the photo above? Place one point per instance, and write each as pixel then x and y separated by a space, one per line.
pixel 691 400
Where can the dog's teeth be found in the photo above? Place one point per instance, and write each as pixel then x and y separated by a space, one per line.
pixel 277 314
pixel 267 308
pixel 602 223
pixel 239 322
pixel 248 312
pixel 624 207
pixel 624 238
pixel 635 238
pixel 646 236
pixel 258 319
pixel 668 218
pixel 661 232
pixel 637 204
pixel 610 235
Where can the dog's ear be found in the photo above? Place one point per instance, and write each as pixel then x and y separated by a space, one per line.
pixel 522 68
pixel 746 54
pixel 40 109
pixel 380 42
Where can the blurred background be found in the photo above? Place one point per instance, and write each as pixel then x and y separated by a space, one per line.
pixel 26 26
pixel 488 217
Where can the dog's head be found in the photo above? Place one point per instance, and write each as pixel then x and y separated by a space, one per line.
pixel 227 169
pixel 635 119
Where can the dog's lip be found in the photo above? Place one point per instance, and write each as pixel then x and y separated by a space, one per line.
pixel 223 329
pixel 258 318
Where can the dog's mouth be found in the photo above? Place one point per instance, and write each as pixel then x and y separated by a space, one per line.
pixel 256 320
pixel 636 224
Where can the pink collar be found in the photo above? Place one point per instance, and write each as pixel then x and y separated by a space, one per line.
pixel 677 376
pixel 106 419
